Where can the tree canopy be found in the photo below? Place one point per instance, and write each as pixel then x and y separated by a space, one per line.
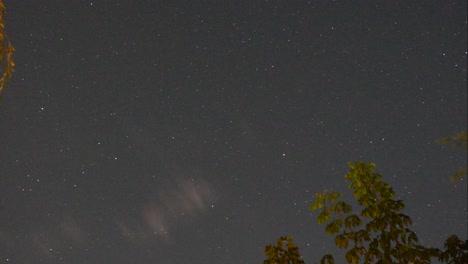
pixel 378 232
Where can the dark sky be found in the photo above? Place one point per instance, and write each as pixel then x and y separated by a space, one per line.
pixel 199 131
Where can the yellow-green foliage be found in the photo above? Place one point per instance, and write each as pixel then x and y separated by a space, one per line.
pixel 460 140
pixel 378 232
pixel 285 252
pixel 6 51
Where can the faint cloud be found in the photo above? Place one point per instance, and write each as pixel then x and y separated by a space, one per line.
pixel 155 218
pixel 70 229
pixel 188 197
pixel 133 233
pixel 169 209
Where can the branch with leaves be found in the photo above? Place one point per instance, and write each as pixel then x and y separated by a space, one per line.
pixel 6 51
pixel 380 232
pixel 460 140
pixel 456 251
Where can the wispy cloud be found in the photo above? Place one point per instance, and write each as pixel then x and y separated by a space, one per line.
pixel 167 210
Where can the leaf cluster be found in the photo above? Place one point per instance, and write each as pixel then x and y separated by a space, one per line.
pixel 284 252
pixel 456 251
pixel 460 140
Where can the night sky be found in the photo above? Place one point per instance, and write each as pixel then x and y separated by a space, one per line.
pixel 199 131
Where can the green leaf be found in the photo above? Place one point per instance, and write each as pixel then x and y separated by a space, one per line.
pixel 341 241
pixel 316 205
pixel 323 216
pixel 352 257
pixel 327 259
pixel 333 227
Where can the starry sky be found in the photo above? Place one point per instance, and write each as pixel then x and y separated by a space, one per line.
pixel 199 131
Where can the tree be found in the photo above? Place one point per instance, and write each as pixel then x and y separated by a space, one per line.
pixel 379 233
pixel 6 51
pixel 460 140
pixel 279 255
